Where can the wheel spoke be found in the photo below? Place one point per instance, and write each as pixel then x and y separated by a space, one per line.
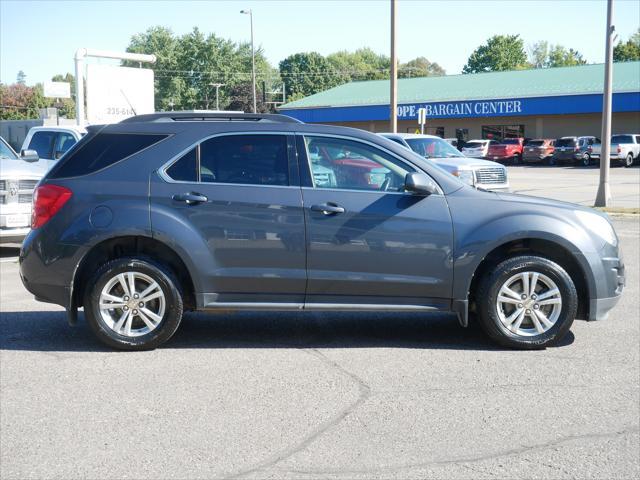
pixel 534 282
pixel 550 301
pixel 504 299
pixel 111 298
pixel 537 323
pixel 123 283
pixel 525 282
pixel 118 326
pixel 506 290
pixel 514 316
pixel 548 293
pixel 127 324
pixel 516 325
pixel 149 289
pixel 109 306
pixel 150 314
pixel 132 283
pixel 152 296
pixel 146 320
pixel 543 318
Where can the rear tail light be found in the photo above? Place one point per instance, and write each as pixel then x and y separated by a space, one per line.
pixel 47 200
pixel 590 149
pixel 619 149
pixel 576 148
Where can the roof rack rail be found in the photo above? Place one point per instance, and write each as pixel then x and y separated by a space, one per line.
pixel 200 116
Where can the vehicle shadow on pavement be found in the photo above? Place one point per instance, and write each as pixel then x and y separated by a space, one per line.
pixel 48 331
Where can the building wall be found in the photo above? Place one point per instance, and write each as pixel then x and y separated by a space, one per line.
pixel 543 126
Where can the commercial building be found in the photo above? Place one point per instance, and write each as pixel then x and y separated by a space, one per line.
pixel 540 103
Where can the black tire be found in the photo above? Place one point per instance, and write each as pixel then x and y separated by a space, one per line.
pixel 628 161
pixel 586 160
pixel 517 159
pixel 551 161
pixel 487 295
pixel 172 313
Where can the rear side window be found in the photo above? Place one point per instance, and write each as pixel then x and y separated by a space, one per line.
pixel 566 142
pixel 245 159
pixel 101 151
pixel 622 139
pixel 42 142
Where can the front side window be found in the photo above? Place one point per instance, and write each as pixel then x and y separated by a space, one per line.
pixel 42 142
pixel 6 152
pixel 245 159
pixel 346 164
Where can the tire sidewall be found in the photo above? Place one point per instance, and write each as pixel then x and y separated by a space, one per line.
pixel 512 267
pixel 173 309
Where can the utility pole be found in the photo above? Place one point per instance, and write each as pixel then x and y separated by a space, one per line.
pixel 603 198
pixel 253 61
pixel 217 87
pixel 393 103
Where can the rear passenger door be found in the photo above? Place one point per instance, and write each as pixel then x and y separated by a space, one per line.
pixel 236 199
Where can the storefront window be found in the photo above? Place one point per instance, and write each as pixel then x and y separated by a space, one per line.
pixel 499 132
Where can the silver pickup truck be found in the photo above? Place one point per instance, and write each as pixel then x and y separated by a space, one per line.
pixel 18 178
pixel 625 148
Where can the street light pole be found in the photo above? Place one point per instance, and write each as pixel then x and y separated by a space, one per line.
pixel 603 197
pixel 253 61
pixel 393 103
pixel 217 87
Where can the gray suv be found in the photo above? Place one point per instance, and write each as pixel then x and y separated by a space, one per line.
pixel 164 213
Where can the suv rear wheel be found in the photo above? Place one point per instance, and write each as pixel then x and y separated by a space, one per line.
pixel 133 304
pixel 527 302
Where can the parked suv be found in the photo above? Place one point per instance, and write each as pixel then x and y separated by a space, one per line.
pixel 574 149
pixel 508 150
pixel 163 213
pixel 539 150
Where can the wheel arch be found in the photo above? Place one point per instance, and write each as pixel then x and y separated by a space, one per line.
pixel 573 263
pixel 133 245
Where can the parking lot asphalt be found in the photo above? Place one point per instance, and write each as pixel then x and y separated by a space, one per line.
pixel 287 395
pixel 576 184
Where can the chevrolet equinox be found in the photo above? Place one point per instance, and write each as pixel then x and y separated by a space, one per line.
pixel 169 212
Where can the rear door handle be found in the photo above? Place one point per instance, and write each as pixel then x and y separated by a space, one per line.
pixel 328 208
pixel 190 198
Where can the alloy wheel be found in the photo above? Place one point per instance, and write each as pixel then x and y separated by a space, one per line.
pixel 132 304
pixel 529 304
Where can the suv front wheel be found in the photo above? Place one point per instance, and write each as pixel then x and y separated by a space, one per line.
pixel 527 302
pixel 133 304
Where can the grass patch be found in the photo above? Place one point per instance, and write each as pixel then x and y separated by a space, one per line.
pixel 620 210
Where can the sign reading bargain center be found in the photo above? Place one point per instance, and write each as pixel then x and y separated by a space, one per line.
pixel 462 109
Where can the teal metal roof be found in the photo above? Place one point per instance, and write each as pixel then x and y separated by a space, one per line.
pixel 580 80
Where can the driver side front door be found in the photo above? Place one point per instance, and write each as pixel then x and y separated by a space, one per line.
pixel 368 241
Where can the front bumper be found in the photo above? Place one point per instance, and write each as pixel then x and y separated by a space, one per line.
pixel 610 286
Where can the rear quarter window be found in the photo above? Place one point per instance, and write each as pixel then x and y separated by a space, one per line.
pixel 101 151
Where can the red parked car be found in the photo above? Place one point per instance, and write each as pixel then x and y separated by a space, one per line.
pixel 508 150
pixel 539 150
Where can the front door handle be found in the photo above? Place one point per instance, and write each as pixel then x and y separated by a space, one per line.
pixel 328 208
pixel 190 198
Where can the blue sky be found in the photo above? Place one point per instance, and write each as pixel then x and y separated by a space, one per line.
pixel 40 37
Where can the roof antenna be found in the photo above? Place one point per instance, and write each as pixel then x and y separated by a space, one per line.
pixel 125 97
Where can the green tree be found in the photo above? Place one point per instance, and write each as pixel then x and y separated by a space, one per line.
pixel 362 64
pixel 544 55
pixel 20 102
pixel 307 73
pixel 187 65
pixel 628 51
pixel 499 53
pixel 21 78
pixel 420 67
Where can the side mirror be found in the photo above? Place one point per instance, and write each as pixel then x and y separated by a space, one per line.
pixel 29 155
pixel 420 183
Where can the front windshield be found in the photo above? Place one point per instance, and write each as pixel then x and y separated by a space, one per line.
pixel 433 148
pixel 6 152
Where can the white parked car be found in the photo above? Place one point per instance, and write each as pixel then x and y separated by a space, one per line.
pixel 476 172
pixel 477 148
pixel 18 179
pixel 52 142
pixel 625 148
